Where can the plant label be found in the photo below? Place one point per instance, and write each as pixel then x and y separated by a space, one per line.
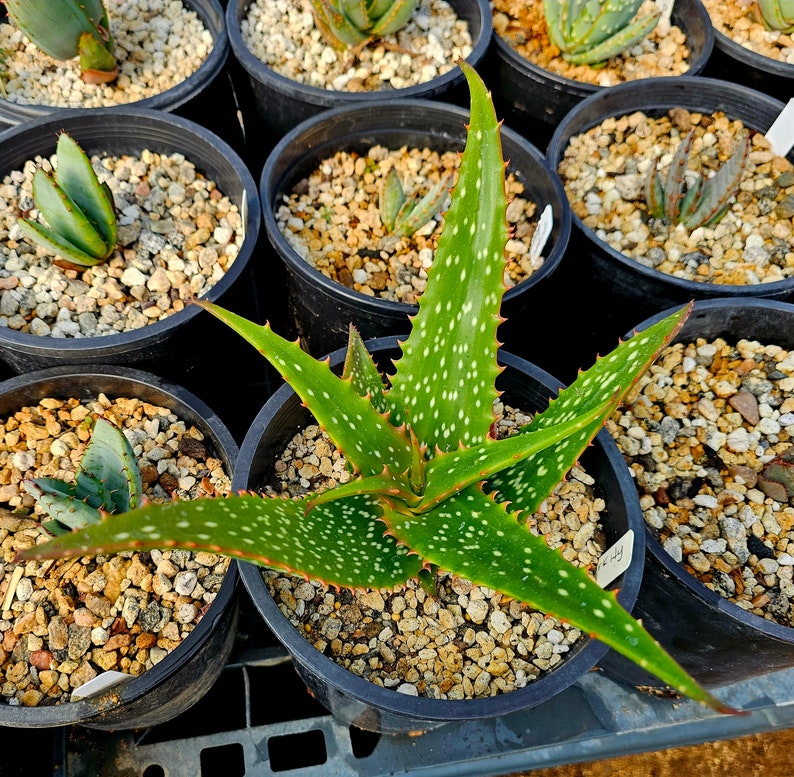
pixel 100 684
pixel 616 560
pixel 542 232
pixel 781 134
pixel 666 7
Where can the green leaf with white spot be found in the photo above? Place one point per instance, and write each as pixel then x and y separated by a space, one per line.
pixel 342 544
pixel 362 372
pixel 611 378
pixel 365 436
pixel 444 385
pixel 472 536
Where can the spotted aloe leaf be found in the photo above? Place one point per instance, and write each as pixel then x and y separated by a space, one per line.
pixel 611 378
pixel 64 29
pixel 487 545
pixel 433 443
pixel 588 32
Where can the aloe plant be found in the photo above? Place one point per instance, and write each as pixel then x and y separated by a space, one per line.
pixel 65 29
pixel 706 201
pixel 589 32
pixel 107 480
pixel 431 487
pixel 401 216
pixel 77 207
pixel 776 14
pixel 347 24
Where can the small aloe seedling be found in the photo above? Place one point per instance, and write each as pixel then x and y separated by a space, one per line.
pixel 776 14
pixel 706 201
pixel 589 32
pixel 401 216
pixel 77 207
pixel 776 479
pixel 431 487
pixel 108 480
pixel 347 24
pixel 64 29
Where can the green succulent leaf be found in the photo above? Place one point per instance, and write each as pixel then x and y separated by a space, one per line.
pixel 75 175
pixel 415 215
pixel 365 436
pixel 336 28
pixel 65 217
pixel 472 536
pixel 588 32
pixel 777 14
pixel 64 29
pixel 40 235
pixel 344 545
pixel 394 18
pixel 444 384
pixel 609 380
pixel 392 199
pixel 362 372
pixel 57 498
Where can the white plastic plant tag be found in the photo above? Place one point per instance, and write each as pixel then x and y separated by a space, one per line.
pixel 616 560
pixel 542 232
pixel 244 213
pixel 781 134
pixel 666 7
pixel 100 684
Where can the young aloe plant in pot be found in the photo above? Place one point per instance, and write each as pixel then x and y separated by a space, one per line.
pixel 64 29
pixel 589 32
pixel 78 208
pixel 352 24
pixel 432 488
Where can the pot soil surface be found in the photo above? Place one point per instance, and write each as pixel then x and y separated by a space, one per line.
pixel 604 171
pixel 703 425
pixel 522 25
pixel 468 641
pixel 178 234
pixel 283 35
pixel 740 22
pixel 331 219
pixel 63 622
pixel 159 43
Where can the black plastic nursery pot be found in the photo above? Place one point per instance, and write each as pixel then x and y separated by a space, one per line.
pixel 623 291
pixel 355 700
pixel 733 62
pixel 173 342
pixel 282 103
pixel 323 308
pixel 714 639
pixel 534 100
pixel 185 674
pixel 203 96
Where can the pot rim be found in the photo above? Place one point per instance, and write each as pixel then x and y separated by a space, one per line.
pixel 581 88
pixel 97 377
pixel 212 15
pixel 692 91
pixel 749 57
pixel 300 138
pixel 581 659
pixel 326 98
pixel 169 127
pixel 657 551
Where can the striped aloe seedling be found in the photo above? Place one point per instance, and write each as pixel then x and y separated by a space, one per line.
pixel 64 29
pixel 706 201
pixel 78 208
pixel 431 487
pixel 589 32
pixel 401 216
pixel 776 14
pixel 107 480
pixel 349 24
